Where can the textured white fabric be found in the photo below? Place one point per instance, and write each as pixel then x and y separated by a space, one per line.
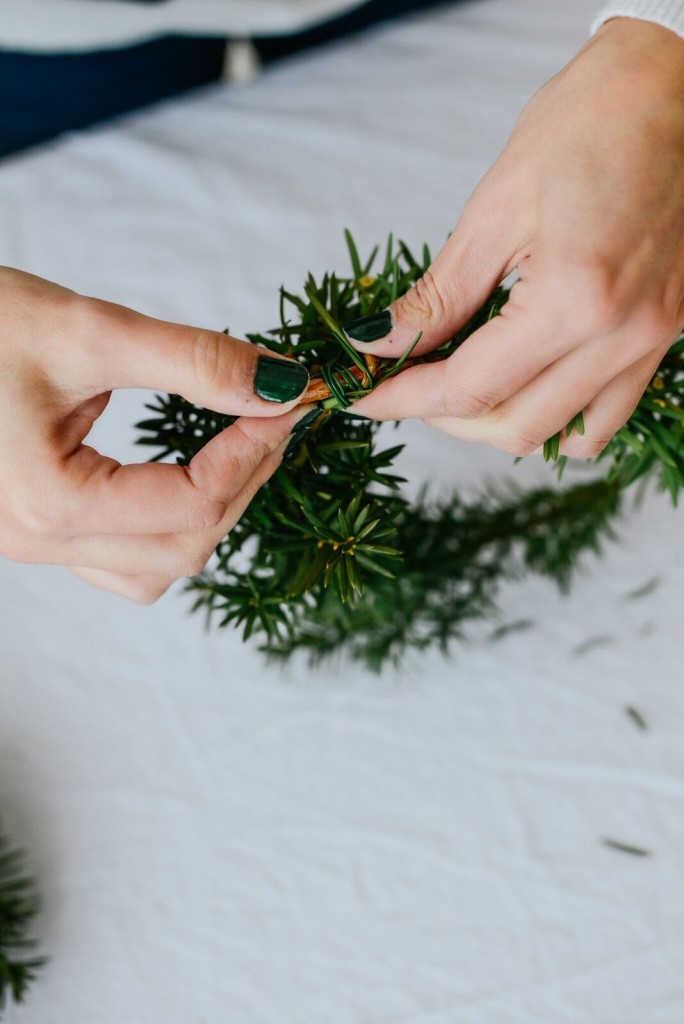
pixel 65 25
pixel 221 844
pixel 668 13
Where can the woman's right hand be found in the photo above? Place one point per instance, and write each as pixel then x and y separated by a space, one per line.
pixel 131 529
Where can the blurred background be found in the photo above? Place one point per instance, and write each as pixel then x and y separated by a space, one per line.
pixel 52 85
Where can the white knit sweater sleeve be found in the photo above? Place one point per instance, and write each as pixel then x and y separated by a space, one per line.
pixel 668 13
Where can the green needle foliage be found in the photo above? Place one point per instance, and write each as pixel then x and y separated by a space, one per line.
pixel 331 556
pixel 19 904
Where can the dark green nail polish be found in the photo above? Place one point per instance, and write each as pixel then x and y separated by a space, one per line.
pixel 370 328
pixel 279 380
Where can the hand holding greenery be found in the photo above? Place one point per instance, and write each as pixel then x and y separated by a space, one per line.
pixel 331 556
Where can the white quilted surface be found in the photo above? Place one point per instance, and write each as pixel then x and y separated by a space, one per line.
pixel 218 842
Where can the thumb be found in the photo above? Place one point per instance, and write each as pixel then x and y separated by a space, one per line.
pixel 124 349
pixel 459 280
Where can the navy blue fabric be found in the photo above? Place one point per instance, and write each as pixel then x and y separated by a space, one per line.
pixel 42 95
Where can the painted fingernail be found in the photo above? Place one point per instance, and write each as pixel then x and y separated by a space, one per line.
pixel 371 327
pixel 279 380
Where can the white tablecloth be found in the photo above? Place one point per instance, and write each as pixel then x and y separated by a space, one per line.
pixel 221 842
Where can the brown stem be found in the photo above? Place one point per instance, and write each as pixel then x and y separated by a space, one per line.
pixel 318 390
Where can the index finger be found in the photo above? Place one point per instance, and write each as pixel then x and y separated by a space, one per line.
pixel 95 494
pixel 493 363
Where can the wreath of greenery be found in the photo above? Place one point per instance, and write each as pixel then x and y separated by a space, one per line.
pixel 331 556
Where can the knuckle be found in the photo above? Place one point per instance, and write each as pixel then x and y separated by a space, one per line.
pixel 585 447
pixel 83 311
pixel 594 302
pixel 468 405
pixel 256 446
pixel 595 446
pixel 41 519
pixel 457 399
pixel 208 515
pixel 515 440
pixel 230 470
pixel 78 318
pixel 425 299
pixel 223 470
pixel 212 359
pixel 74 313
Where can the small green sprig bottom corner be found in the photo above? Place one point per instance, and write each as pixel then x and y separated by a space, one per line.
pixel 331 556
pixel 19 904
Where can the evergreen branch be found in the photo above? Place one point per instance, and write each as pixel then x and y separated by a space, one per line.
pixel 331 556
pixel 19 904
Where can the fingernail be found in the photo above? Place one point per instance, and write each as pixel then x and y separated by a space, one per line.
pixel 371 327
pixel 279 380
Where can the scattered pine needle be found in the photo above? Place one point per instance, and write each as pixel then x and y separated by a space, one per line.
pixel 633 851
pixel 637 718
